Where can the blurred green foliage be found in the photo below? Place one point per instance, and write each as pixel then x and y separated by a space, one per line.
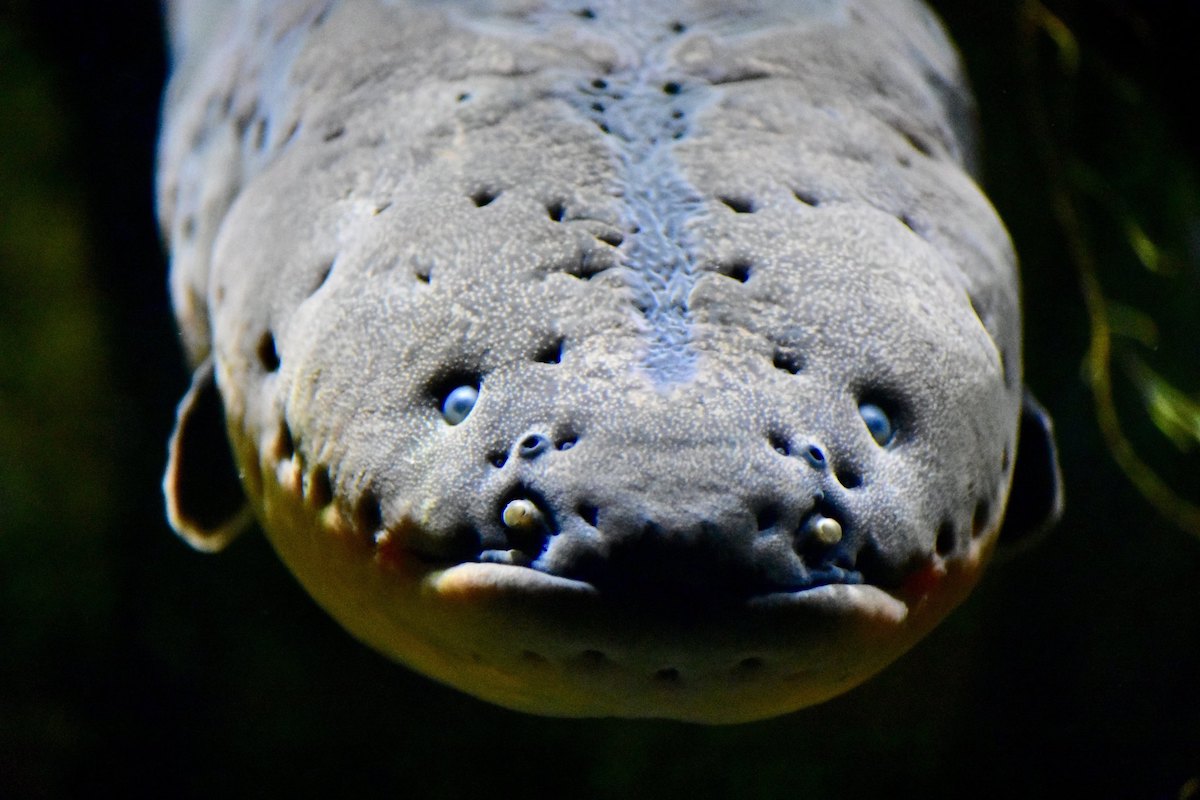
pixel 1142 210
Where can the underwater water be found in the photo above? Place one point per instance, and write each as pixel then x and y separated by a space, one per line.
pixel 130 663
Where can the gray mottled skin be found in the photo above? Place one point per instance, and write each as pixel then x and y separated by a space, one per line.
pixel 681 242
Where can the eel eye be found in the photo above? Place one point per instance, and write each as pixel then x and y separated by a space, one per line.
pixel 458 404
pixel 878 423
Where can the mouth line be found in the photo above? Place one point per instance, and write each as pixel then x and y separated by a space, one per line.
pixel 515 568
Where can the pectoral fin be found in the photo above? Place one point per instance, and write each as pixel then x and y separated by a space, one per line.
pixel 1035 501
pixel 205 502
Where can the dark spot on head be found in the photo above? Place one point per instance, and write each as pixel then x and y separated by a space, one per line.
pixel 678 27
pixel 552 353
pixel 918 143
pixel 806 197
pixel 740 205
pixel 677 114
pixel 188 229
pixel 589 513
pixel 672 88
pixel 980 518
pixel 585 267
pixel 382 207
pixel 320 488
pixel 946 538
pixel 368 515
pixel 268 357
pixel 599 83
pixel 260 134
pixel 585 13
pixel 483 197
pixel 335 133
pixel 738 270
pixel 611 238
pixel 766 517
pixel 285 445
pixel 463 97
pixel 241 122
pixel 788 360
pixel 848 477
pixel 556 210
pixel 291 132
pixel 603 127
pixel 908 223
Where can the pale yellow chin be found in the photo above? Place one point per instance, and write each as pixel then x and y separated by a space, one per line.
pixel 547 645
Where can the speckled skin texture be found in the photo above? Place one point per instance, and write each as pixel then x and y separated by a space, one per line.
pixel 675 247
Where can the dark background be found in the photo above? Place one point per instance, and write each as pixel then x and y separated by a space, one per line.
pixel 130 664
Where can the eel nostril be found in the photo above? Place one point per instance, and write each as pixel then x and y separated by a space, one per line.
pixel 533 446
pixel 815 457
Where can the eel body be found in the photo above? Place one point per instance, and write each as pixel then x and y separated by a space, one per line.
pixel 598 358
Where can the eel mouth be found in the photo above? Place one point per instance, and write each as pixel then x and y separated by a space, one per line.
pixel 664 578
pixel 563 645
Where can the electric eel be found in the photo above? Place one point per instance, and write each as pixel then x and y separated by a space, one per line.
pixel 598 358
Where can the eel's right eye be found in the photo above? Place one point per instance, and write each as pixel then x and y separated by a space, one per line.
pixel 878 423
pixel 458 404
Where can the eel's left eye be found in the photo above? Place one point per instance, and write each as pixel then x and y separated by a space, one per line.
pixel 458 404
pixel 878 423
